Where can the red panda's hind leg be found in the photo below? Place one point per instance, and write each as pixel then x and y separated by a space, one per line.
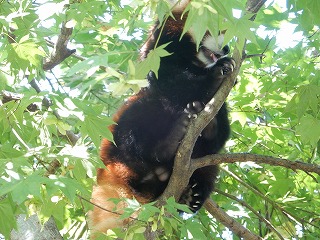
pixel 111 183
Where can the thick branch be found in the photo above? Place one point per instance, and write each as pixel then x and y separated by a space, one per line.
pixel 229 222
pixel 177 182
pixel 60 51
pixel 247 157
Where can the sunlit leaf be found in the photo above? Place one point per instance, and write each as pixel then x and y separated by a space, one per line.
pixel 152 62
pixel 309 130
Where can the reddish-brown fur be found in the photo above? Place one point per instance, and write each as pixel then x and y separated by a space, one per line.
pixel 110 185
pixel 112 182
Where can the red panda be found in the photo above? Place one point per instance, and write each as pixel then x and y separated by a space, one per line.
pixel 151 124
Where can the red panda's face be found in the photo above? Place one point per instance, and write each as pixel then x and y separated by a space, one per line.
pixel 211 50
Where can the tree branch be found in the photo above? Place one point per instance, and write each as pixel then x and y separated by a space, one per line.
pixel 182 163
pixel 253 6
pixel 60 51
pixel 247 157
pixel 77 56
pixel 260 55
pixel 228 221
pixel 283 210
pixel 244 204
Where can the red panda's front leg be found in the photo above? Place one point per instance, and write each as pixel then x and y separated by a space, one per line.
pixel 166 149
pixel 155 176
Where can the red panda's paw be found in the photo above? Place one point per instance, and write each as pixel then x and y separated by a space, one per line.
pixel 225 66
pixel 151 76
pixel 194 108
pixel 158 174
pixel 193 196
pixel 210 130
pixel 151 182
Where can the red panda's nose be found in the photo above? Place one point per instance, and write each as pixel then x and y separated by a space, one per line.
pixel 226 49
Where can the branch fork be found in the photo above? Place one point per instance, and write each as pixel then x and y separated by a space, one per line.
pixel 60 51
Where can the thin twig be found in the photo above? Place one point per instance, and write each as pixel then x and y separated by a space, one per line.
pixel 289 215
pixel 229 222
pixel 104 209
pixel 243 203
pixel 72 137
pixel 261 55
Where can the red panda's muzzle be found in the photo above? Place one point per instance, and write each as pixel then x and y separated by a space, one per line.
pixel 214 56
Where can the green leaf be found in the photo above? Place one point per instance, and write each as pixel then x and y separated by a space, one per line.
pixel 119 88
pixel 68 186
pixel 310 10
pixel 7 216
pixel 240 116
pixel 152 62
pixel 96 127
pixel 28 51
pixel 122 87
pixel 193 230
pixel 79 171
pixel 281 186
pixel 92 64
pixel 49 209
pixel 309 130
pixel 21 187
pixel 201 18
pixel 89 65
pixel 220 8
pixel 140 230
pixel 63 127
pixel 9 152
pixel 25 101
pixel 163 8
pixel 306 98
pixel 196 17
pixel 242 29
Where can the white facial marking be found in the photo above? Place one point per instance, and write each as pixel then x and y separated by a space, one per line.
pixel 220 40
pixel 203 58
pixel 210 48
pixel 211 43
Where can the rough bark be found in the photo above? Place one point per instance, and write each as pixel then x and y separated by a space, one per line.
pixel 31 228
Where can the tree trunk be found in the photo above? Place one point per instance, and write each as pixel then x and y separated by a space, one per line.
pixel 31 229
